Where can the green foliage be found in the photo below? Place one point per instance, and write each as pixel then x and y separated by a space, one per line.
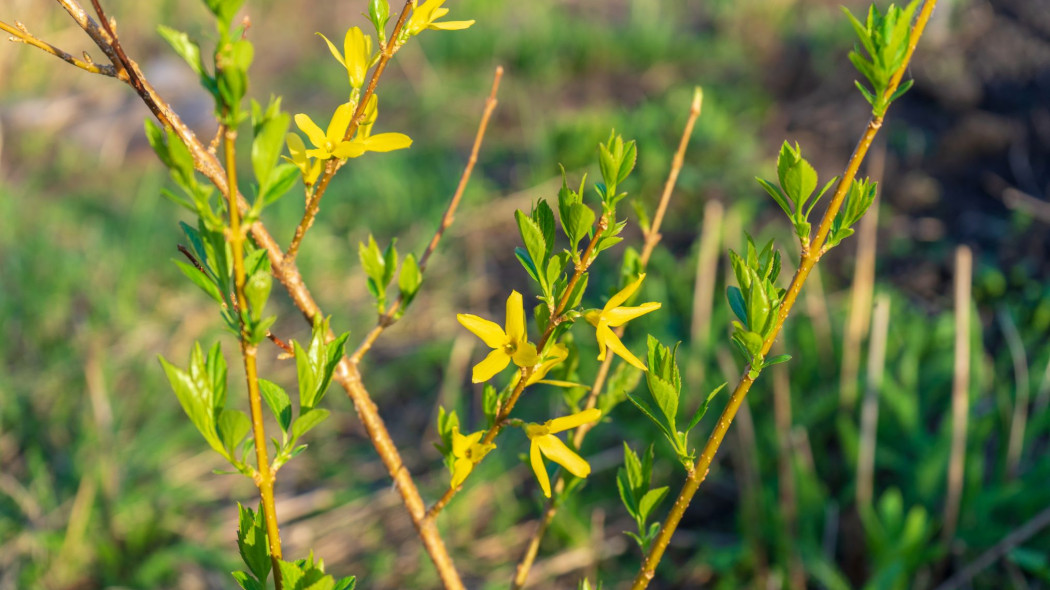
pixel 254 550
pixel 665 388
pixel 309 574
pixel 885 39
pixel 858 200
pixel 201 390
pixel 380 267
pixel 633 480
pixel 755 301
pixel 798 180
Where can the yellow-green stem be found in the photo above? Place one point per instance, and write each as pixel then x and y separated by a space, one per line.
pixel 809 259
pixel 264 477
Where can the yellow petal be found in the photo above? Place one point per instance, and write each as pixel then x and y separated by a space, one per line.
pixel 539 468
pixel 461 443
pixel 335 52
pixel 593 316
pixel 557 383
pixel 319 153
pixel 525 355
pixel 297 149
pixel 625 294
pixel 311 176
pixel 556 451
pixel 515 318
pixel 617 347
pixel 602 335
pixel 387 142
pixel 574 420
pixel 557 354
pixel 349 149
pixel 461 468
pixel 358 49
pixel 496 361
pixel 340 121
pixel 489 332
pixel 451 25
pixel 622 315
pixel 312 131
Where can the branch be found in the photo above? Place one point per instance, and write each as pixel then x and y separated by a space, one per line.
pixel 332 166
pixel 346 373
pixel 699 471
pixel 22 35
pixel 652 238
pixel 389 317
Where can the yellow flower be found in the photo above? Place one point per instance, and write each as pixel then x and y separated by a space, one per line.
pixel 554 357
pixel 310 167
pixel 508 345
pixel 468 451
pixel 425 15
pixel 613 316
pixel 330 144
pixel 356 56
pixel 544 441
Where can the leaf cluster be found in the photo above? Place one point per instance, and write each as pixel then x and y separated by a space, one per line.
pixel 885 40
pixel 633 481
pixel 858 200
pixel 301 574
pixel 380 266
pixel 798 180
pixel 756 302
pixel 665 388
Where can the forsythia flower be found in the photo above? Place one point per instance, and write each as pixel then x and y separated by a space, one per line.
pixel 508 345
pixel 467 450
pixel 356 56
pixel 612 316
pixel 424 15
pixel 311 168
pixel 330 144
pixel 554 357
pixel 544 441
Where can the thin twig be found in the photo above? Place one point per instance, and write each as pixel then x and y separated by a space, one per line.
pixel 652 237
pixel 22 35
pixel 390 317
pixel 333 166
pixel 699 471
pixel 960 391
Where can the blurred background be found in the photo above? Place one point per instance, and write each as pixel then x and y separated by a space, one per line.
pixel 105 484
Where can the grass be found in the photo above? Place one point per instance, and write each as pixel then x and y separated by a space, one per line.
pixel 104 483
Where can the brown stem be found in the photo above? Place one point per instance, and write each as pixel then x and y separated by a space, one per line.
pixel 703 464
pixel 388 319
pixel 652 238
pixel 346 374
pixel 332 166
pixel 22 35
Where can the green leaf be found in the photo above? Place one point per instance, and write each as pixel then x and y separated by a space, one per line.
pixel 379 14
pixel 650 501
pixel 737 304
pixel 267 146
pixel 650 413
pixel 279 403
pixel 307 421
pixel 233 426
pixel 246 582
pixel 251 542
pixel 700 411
pixel 526 262
pixel 776 360
pixel 778 196
pixel 257 291
pixel 307 378
pixel 532 236
pixel 627 161
pixel 626 493
pixel 291 574
pixel 408 280
pixel 157 139
pixel 543 215
pixel 200 279
pixel 282 179
pixel 389 262
pixel 195 397
pixel 187 49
